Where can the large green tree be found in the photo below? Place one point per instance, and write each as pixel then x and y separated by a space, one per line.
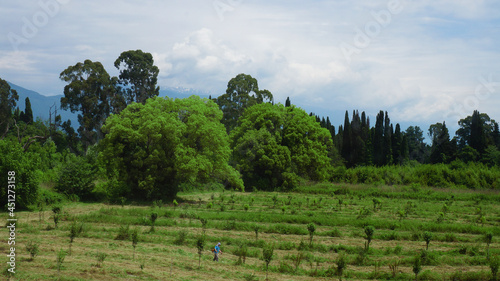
pixel 150 149
pixel 8 99
pixel 416 145
pixel 274 145
pixel 242 92
pixel 89 92
pixel 138 76
pixel 442 150
pixel 477 131
pixel 19 167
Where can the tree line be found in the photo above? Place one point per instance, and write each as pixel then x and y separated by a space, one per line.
pixel 131 144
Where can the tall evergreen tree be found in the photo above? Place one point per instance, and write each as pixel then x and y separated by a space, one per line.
pixel 287 102
pixel 378 140
pixel 388 131
pixel 477 133
pixel 347 141
pixel 397 139
pixel 442 147
pixel 496 136
pixel 27 117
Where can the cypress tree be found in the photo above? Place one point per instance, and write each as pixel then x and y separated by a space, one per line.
pixel 397 142
pixel 27 117
pixel 388 130
pixel 378 140
pixel 477 133
pixel 347 141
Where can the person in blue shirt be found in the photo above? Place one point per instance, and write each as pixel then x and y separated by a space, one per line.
pixel 216 252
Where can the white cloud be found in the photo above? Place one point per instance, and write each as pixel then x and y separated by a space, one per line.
pixel 17 61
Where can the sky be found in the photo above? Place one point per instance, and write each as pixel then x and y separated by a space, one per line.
pixel 424 61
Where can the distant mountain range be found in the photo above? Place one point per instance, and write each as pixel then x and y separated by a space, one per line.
pixel 41 104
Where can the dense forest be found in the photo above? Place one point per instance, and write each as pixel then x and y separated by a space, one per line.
pixel 131 144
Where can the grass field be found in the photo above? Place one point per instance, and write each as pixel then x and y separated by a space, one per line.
pixel 458 221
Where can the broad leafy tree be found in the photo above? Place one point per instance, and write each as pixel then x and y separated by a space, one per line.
pixel 416 145
pixel 20 166
pixel 242 92
pixel 477 131
pixel 88 92
pixel 274 145
pixel 149 150
pixel 138 76
pixel 8 99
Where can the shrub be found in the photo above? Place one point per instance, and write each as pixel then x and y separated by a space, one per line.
pixel 77 178
pixel 311 228
pixel 61 255
pixel 369 230
pixel 32 248
pixel 100 259
pixel 341 263
pixel 267 256
pixel 494 263
pixel 200 244
pixel 135 240
pixel 74 230
pixel 417 266
pixel 15 162
pixel 181 237
pixel 427 239
pixel 123 233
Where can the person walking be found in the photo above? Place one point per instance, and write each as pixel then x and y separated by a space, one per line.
pixel 216 252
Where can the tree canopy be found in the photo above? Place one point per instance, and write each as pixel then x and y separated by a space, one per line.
pixel 88 92
pixel 8 99
pixel 273 145
pixel 138 76
pixel 151 149
pixel 242 92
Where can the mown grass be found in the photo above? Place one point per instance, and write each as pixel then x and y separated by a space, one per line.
pixel 339 212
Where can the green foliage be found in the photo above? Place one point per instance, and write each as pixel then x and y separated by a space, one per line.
pixel 19 167
pixel 61 255
pixel 369 231
pixel 135 240
pixel 311 228
pixel 32 248
pixel 100 257
pixel 200 244
pixel 239 97
pixel 427 238
pixel 123 233
pixel 183 138
pixel 138 76
pixel 91 93
pixel 417 266
pixel 242 253
pixel 267 255
pixel 275 145
pixel 77 178
pixel 181 237
pixel 341 263
pixel 494 264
